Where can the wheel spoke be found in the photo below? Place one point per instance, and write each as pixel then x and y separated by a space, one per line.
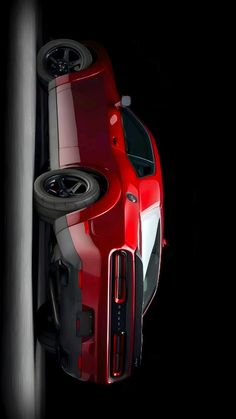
pixel 61 184
pixel 62 188
pixel 51 58
pixel 52 191
pixel 66 55
pixel 76 63
pixel 74 188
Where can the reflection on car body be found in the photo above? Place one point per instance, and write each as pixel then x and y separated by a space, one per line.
pixel 103 197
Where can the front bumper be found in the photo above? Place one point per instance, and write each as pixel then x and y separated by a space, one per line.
pixel 100 336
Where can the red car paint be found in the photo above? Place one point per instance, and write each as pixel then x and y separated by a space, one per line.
pixel 91 135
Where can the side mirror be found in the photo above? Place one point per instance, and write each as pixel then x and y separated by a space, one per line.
pixel 125 101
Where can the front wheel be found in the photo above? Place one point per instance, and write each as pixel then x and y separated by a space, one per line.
pixel 59 192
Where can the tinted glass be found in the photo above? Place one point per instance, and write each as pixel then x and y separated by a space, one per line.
pixel 138 144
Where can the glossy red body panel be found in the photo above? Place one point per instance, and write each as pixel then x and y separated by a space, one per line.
pixel 91 135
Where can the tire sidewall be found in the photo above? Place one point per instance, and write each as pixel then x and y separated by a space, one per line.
pixel 53 207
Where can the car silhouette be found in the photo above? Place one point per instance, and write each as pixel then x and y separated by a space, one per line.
pixel 103 199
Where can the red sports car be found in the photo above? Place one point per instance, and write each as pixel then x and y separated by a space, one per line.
pixel 103 197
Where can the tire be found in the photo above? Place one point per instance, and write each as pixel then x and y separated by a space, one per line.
pixel 50 206
pixel 42 58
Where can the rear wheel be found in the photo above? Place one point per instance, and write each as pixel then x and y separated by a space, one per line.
pixel 60 57
pixel 59 192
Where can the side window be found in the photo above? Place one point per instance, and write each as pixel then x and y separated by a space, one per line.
pixel 138 144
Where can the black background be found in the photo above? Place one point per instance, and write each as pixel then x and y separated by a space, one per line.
pixel 159 67
pixel 156 71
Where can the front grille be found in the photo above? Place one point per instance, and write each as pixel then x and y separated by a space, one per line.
pixel 119 276
pixel 121 283
pixel 118 354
